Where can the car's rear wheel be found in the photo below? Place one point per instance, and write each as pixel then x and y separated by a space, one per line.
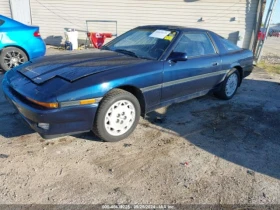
pixel 117 116
pixel 11 57
pixel 229 86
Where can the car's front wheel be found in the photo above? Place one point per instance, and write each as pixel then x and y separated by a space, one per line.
pixel 117 116
pixel 229 86
pixel 11 57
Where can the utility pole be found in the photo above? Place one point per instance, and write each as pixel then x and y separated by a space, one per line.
pixel 266 26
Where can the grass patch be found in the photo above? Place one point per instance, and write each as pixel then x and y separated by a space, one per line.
pixel 271 68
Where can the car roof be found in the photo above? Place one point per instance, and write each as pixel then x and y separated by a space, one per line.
pixel 172 27
pixel 10 22
pixel 5 18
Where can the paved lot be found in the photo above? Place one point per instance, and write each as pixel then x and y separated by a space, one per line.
pixel 202 151
pixel 272 46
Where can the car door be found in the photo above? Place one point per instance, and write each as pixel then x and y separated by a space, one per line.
pixel 198 73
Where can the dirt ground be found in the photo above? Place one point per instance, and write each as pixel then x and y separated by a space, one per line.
pixel 204 151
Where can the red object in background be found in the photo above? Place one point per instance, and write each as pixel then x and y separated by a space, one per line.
pixel 98 39
pixel 277 34
pixel 261 35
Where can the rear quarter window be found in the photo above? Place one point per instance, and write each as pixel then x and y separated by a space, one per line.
pixel 228 45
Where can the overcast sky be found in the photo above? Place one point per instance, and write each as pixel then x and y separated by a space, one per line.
pixel 276 13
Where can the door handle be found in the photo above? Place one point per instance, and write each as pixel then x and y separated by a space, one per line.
pixel 215 64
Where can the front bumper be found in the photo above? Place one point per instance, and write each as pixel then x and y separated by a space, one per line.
pixel 63 121
pixel 247 70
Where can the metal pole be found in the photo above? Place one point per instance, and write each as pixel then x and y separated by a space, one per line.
pixel 254 40
pixel 267 25
pixel 260 42
pixel 256 44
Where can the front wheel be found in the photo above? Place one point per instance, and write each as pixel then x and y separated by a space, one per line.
pixel 229 85
pixel 117 116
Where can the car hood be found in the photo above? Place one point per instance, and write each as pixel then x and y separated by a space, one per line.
pixel 74 66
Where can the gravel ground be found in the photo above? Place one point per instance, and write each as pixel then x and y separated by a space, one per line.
pixel 204 151
pixel 271 59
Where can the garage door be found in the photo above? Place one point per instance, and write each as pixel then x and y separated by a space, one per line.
pixel 5 8
pixel 226 17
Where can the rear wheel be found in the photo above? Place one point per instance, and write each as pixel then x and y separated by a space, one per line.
pixel 117 116
pixel 11 57
pixel 229 86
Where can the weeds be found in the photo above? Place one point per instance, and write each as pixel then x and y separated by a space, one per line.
pixel 271 68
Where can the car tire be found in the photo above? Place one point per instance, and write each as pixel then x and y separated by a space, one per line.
pixel 229 86
pixel 11 57
pixel 117 116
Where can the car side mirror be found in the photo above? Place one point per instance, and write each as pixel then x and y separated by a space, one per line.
pixel 178 56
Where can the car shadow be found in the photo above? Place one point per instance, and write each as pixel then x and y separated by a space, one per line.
pixel 90 136
pixel 244 130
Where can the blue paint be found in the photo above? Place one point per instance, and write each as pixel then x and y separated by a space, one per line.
pixel 15 34
pixel 78 76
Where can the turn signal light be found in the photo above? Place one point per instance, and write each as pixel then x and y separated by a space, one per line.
pixel 81 102
pixel 44 104
pixel 87 101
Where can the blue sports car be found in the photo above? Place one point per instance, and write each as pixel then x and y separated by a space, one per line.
pixel 18 43
pixel 107 90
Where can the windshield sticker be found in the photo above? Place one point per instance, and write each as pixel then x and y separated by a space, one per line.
pixel 160 34
pixel 170 36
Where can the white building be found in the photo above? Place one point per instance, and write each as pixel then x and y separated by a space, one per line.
pixel 233 19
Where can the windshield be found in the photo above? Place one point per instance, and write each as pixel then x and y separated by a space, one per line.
pixel 142 43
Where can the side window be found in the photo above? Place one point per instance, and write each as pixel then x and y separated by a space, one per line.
pixel 195 44
pixel 1 22
pixel 229 46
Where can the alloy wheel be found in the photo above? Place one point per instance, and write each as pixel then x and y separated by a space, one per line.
pixel 231 85
pixel 13 59
pixel 120 117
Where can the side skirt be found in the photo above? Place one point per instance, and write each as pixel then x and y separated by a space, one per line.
pixel 178 100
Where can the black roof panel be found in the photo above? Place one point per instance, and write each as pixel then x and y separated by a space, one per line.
pixel 172 27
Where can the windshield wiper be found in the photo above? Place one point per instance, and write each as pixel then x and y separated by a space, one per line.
pixel 127 52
